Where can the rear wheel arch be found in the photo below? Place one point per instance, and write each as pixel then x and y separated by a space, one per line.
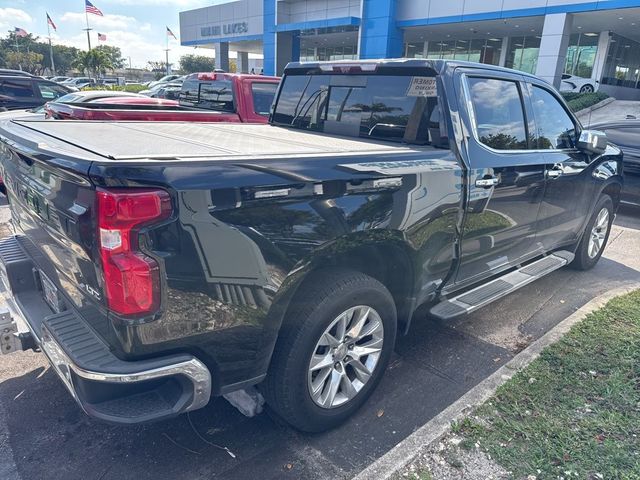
pixel 389 263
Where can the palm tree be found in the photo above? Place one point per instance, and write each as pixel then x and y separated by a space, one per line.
pixel 93 62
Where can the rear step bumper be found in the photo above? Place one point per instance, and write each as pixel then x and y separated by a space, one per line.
pixel 104 386
pixel 478 297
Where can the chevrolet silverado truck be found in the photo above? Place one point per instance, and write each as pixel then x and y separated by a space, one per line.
pixel 156 265
pixel 205 97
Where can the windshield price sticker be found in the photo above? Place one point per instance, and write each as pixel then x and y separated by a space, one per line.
pixel 422 87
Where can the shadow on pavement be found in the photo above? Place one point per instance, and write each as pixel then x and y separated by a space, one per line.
pixel 52 438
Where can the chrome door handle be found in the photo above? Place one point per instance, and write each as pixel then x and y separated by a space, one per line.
pixel 487 182
pixel 554 173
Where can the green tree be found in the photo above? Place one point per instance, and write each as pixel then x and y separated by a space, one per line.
pixel 93 62
pixel 28 61
pixel 196 63
pixel 63 56
pixel 114 54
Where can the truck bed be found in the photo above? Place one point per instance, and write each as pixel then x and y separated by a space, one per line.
pixel 134 141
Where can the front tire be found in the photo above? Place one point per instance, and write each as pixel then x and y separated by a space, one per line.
pixel 334 346
pixel 595 236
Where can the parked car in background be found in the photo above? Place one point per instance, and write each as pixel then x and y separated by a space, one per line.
pixel 24 92
pixel 59 79
pixel 80 82
pixel 626 135
pixel 93 95
pixel 572 83
pixel 165 79
pixel 152 91
pixel 169 91
pixel 4 72
pixel 209 97
pixel 156 265
pixel 112 81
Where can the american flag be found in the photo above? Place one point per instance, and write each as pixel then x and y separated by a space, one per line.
pixel 91 8
pixel 20 32
pixel 50 22
pixel 170 33
pixel 102 37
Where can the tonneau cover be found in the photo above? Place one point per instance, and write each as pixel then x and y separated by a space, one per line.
pixel 124 141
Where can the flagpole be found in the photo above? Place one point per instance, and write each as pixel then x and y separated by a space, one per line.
pixel 18 50
pixel 166 51
pixel 86 16
pixel 53 65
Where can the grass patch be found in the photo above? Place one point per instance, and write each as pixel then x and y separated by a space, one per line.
pixel 579 101
pixel 576 408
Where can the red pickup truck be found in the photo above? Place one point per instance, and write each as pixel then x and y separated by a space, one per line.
pixel 205 97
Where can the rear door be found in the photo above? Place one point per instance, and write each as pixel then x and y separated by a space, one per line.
pixel 18 93
pixel 507 176
pixel 569 187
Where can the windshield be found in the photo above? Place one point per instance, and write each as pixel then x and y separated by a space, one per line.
pixel 400 108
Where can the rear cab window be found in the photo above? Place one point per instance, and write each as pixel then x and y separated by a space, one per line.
pixel 400 107
pixel 214 95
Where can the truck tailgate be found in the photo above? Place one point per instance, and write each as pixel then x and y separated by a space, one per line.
pixel 51 197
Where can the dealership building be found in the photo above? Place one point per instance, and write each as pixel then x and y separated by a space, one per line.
pixel 590 39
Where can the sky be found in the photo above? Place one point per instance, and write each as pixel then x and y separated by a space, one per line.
pixel 138 27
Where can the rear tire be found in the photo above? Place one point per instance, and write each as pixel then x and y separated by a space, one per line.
pixel 587 89
pixel 320 372
pixel 595 237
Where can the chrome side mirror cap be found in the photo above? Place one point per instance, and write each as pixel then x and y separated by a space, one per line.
pixel 592 141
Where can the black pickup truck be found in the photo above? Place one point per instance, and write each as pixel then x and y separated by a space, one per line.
pixel 158 264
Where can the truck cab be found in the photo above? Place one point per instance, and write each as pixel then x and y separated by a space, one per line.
pixel 240 97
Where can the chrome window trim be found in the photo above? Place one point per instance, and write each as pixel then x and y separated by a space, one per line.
pixel 472 119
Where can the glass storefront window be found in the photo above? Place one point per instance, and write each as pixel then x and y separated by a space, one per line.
pixel 414 50
pixel 523 53
pixel 581 54
pixel 622 67
pixel 475 50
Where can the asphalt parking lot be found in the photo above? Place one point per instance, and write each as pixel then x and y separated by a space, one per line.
pixel 43 434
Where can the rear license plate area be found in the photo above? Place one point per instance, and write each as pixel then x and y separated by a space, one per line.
pixel 51 294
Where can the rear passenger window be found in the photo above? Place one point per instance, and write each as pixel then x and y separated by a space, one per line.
pixel 555 129
pixel 16 88
pixel 263 94
pixel 499 116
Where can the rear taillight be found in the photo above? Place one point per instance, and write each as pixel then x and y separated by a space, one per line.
pixel 131 278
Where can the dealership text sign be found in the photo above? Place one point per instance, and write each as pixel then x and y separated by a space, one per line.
pixel 226 29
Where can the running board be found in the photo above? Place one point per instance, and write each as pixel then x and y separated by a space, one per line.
pixel 480 296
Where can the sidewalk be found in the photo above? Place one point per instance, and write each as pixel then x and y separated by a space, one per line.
pixel 616 110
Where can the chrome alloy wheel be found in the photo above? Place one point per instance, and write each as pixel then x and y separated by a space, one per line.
pixel 345 357
pixel 598 233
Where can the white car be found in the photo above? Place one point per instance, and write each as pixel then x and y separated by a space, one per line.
pixel 571 83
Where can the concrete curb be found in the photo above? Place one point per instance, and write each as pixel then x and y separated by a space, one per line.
pixel 407 450
pixel 597 106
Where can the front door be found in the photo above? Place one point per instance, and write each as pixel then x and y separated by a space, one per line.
pixel 568 194
pixel 506 182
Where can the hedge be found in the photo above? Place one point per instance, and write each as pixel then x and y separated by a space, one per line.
pixel 579 101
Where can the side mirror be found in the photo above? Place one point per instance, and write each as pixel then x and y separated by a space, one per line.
pixel 592 141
